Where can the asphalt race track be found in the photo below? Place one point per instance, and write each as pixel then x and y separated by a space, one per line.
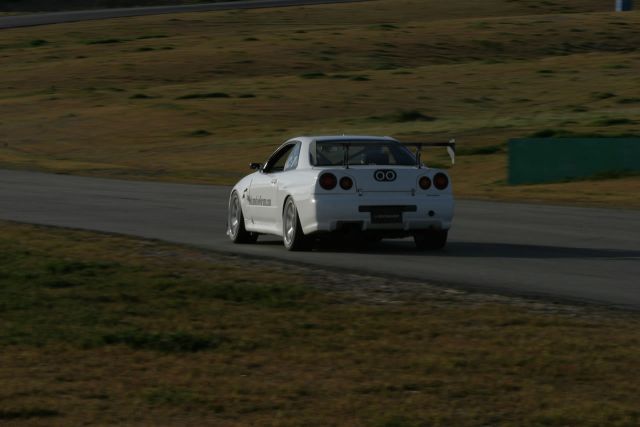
pixel 561 253
pixel 30 20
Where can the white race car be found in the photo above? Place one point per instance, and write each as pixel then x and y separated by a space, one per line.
pixel 332 184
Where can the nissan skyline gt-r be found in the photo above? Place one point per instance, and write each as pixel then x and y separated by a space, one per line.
pixel 371 185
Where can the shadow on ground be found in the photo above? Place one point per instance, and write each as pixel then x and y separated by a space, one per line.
pixel 466 250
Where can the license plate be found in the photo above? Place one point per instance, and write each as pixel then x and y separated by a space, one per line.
pixel 386 216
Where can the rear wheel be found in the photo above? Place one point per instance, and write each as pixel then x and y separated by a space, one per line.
pixel 292 235
pixel 430 240
pixel 235 223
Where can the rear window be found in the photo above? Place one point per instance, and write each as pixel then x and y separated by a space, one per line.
pixel 362 153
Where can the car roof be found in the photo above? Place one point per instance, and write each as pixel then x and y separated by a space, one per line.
pixel 345 138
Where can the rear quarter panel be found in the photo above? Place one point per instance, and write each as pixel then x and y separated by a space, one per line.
pixel 300 185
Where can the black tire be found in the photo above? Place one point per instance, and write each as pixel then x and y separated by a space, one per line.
pixel 292 235
pixel 430 240
pixel 235 222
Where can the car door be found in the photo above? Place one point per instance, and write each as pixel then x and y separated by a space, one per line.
pixel 263 199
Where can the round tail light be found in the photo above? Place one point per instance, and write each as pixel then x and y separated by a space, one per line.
pixel 328 181
pixel 425 183
pixel 346 183
pixel 441 181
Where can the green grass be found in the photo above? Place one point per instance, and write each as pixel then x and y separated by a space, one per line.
pixel 614 174
pixel 200 133
pixel 413 116
pixel 27 413
pixel 481 151
pixel 106 41
pixel 141 96
pixel 204 95
pixel 559 133
pixel 178 342
pixel 315 75
pixel 38 42
pixel 613 122
pixel 152 333
pixel 629 101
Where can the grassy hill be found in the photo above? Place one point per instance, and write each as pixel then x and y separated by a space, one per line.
pixel 195 97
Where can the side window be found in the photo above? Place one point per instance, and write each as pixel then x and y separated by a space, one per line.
pixel 277 161
pixel 292 160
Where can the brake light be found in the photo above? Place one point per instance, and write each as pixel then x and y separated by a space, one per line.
pixel 425 183
pixel 441 181
pixel 328 181
pixel 346 183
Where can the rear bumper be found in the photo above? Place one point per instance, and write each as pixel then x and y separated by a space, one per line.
pixel 327 213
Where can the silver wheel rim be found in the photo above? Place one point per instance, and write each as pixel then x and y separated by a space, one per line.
pixel 289 223
pixel 235 213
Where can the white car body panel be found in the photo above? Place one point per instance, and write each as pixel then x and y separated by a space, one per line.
pixel 263 194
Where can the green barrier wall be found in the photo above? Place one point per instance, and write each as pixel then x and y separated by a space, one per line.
pixel 536 160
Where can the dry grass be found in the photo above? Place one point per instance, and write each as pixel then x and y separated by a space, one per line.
pixel 129 97
pixel 110 330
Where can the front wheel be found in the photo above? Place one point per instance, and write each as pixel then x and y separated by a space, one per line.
pixel 430 240
pixel 235 223
pixel 292 235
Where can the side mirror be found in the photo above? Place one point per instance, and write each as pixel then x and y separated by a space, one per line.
pixel 255 166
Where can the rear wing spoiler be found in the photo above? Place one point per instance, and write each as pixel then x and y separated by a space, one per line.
pixel 451 149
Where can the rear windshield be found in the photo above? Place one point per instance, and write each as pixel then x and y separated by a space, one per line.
pixel 361 153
